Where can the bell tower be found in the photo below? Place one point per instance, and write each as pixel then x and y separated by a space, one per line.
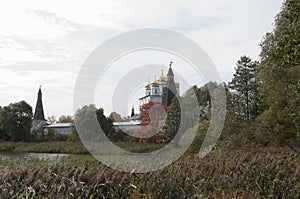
pixel 38 121
pixel 170 90
pixel 39 110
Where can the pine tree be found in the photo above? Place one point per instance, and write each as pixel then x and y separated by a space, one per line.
pixel 244 88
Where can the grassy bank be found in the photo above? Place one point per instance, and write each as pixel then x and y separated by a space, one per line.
pixel 227 173
pixel 69 147
pixel 43 147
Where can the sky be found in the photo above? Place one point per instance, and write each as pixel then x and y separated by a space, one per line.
pixel 46 43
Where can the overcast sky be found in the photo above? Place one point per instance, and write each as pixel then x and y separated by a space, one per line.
pixel 46 42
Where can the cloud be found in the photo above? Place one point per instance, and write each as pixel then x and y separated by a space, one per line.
pixel 16 49
pixel 52 18
pixel 46 42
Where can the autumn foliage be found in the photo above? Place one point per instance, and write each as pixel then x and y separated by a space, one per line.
pixel 153 120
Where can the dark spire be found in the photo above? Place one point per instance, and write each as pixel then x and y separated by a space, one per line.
pixel 170 72
pixel 170 90
pixel 132 111
pixel 39 111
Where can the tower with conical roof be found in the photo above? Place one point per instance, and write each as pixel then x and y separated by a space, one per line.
pixel 170 90
pixel 39 111
pixel 38 121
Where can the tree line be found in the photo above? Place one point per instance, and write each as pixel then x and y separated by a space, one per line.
pixel 263 97
pixel 15 121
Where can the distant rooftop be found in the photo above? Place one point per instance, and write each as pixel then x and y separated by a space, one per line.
pixel 59 125
pixel 132 122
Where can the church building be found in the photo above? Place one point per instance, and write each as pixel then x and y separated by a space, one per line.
pixel 161 90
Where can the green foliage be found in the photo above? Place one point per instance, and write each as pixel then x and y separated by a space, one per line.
pixel 3 134
pixel 15 121
pixel 122 136
pixel 43 147
pixel 106 125
pixel 173 119
pixel 87 120
pixel 192 112
pixel 115 117
pixel 203 97
pixel 198 140
pixel 65 119
pixel 244 89
pixel 279 72
pixel 74 134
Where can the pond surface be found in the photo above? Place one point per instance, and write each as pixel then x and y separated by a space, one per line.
pixel 13 160
pixel 30 156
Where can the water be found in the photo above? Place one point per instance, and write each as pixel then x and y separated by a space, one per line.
pixel 30 156
pixel 13 160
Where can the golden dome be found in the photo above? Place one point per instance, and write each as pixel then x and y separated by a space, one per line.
pixel 162 78
pixel 148 86
pixel 155 83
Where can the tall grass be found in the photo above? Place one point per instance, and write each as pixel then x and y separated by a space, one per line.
pixel 223 173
